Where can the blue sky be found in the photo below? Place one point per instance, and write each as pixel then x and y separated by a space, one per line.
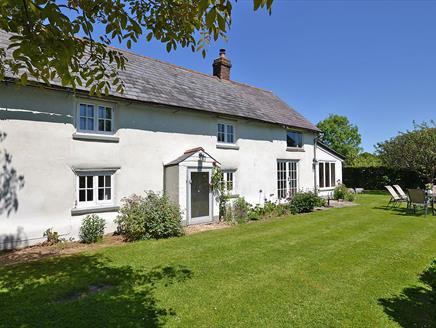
pixel 372 61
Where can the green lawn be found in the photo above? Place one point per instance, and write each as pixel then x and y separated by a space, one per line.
pixel 352 267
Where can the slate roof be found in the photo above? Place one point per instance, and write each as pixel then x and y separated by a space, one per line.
pixel 153 81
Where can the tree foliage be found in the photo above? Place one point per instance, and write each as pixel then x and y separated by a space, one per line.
pixel 44 43
pixel 414 150
pixel 339 134
pixel 367 160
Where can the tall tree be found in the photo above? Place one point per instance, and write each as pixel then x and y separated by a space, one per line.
pixel 367 160
pixel 338 133
pixel 44 43
pixel 415 150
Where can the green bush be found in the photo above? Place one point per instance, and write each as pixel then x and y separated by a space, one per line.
pixel 149 216
pixel 304 202
pixel 240 210
pixel 53 237
pixel 342 192
pixel 92 229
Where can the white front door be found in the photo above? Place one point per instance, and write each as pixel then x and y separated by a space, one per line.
pixel 199 196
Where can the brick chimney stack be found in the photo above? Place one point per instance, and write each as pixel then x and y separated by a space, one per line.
pixel 221 66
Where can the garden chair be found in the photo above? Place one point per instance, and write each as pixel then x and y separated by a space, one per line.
pixel 401 192
pixel 417 198
pixel 395 199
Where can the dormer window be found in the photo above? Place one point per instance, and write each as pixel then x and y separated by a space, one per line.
pixel 226 133
pixel 294 139
pixel 95 118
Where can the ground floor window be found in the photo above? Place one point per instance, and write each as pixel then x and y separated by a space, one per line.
pixel 287 178
pixel 228 180
pixel 327 174
pixel 94 189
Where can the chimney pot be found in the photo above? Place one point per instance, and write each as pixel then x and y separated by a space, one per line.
pixel 221 66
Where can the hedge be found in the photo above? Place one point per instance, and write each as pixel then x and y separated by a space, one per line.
pixel 375 178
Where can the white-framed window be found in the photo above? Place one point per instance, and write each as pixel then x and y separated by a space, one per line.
pixel 327 174
pixel 94 189
pixel 226 133
pixel 294 139
pixel 228 180
pixel 287 178
pixel 95 118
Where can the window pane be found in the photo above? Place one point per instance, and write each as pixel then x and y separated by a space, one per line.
pixel 82 182
pixel 221 137
pixel 108 112
pixel 89 181
pixel 82 110
pixel 100 125
pixel 230 129
pixel 294 139
pixel 221 128
pixel 90 124
pixel 101 112
pixel 90 111
pixel 89 194
pixel 290 142
pixel 321 175
pixel 107 194
pixel 83 123
pixel 230 138
pixel 333 174
pixel 101 181
pixel 327 174
pixel 82 195
pixel 108 180
pixel 100 193
pixel 108 126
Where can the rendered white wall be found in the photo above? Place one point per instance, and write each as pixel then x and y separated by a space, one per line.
pixel 39 124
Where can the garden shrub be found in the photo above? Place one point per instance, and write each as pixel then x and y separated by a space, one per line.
pixel 240 210
pixel 53 237
pixel 92 229
pixel 342 192
pixel 304 202
pixel 149 216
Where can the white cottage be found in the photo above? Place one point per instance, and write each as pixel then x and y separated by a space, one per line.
pixel 65 154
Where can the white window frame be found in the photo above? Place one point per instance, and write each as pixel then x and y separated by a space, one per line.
pixel 226 133
pixel 298 132
pixel 95 202
pixel 332 179
pixel 287 178
pixel 225 180
pixel 96 106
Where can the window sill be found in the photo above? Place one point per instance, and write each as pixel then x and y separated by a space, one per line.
pixel 95 209
pixel 95 137
pixel 227 146
pixel 296 149
pixel 326 188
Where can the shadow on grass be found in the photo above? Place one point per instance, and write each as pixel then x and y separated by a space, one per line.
pixel 415 306
pixel 84 291
pixel 402 210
